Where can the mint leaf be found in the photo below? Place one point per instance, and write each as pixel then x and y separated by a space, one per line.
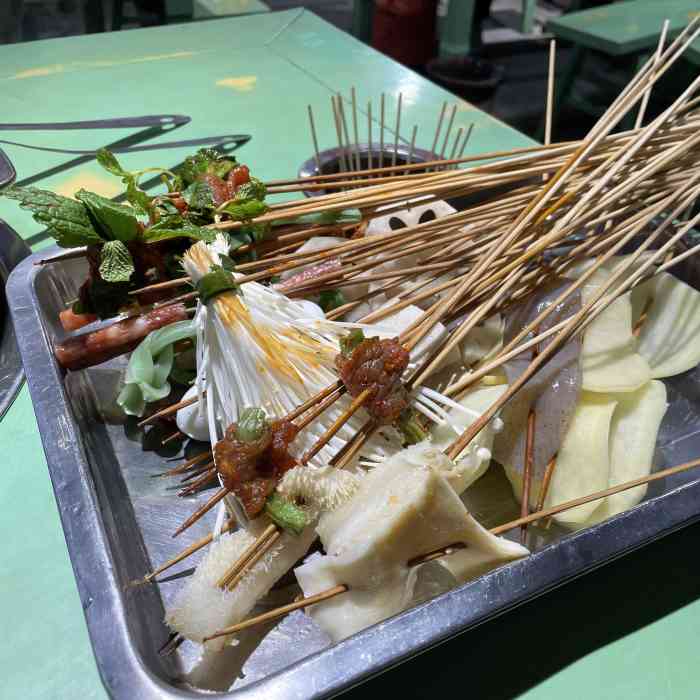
pixel 207 161
pixel 65 219
pixel 199 195
pixel 177 227
pixel 138 199
pixel 116 220
pixel 245 210
pixel 116 264
pixel 330 299
pixel 109 162
pixel 253 189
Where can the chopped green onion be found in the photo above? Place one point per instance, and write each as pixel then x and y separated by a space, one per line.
pixel 285 514
pixel 348 343
pixel 411 428
pixel 251 425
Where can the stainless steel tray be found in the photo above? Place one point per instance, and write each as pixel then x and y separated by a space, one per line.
pixel 117 523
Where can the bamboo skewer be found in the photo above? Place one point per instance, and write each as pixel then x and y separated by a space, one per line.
pixel 185 466
pixel 202 510
pixel 163 413
pixel 188 551
pixel 314 139
pixel 534 517
pixel 354 129
pixel 397 131
pixel 657 57
pixel 546 481
pixel 448 132
pixel 550 92
pixel 224 580
pixel 381 129
pixel 260 552
pixel 338 423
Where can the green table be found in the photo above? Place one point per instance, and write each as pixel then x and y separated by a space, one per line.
pixel 242 75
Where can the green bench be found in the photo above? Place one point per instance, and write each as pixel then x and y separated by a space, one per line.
pixel 619 29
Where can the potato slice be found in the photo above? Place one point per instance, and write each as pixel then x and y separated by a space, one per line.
pixel 609 359
pixel 669 337
pixel 583 461
pixel 635 425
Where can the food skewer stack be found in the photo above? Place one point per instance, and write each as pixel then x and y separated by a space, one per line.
pixel 298 403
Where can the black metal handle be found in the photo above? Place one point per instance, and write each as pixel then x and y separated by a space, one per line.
pixel 7 171
pixel 226 139
pixel 162 120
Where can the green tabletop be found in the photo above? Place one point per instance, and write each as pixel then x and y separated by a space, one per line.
pixel 629 631
pixel 623 27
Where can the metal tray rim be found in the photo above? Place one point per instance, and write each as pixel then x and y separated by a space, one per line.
pixel 337 668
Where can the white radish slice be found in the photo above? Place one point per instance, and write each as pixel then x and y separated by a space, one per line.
pixel 635 425
pixel 609 359
pixel 583 461
pixel 475 460
pixel 669 337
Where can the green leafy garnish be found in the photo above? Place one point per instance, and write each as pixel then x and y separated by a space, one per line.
pixel 207 161
pixel 65 219
pixel 253 189
pixel 330 299
pixel 116 263
pixel 410 426
pixel 138 199
pixel 115 221
pixel 251 425
pixel 349 342
pixel 199 196
pixel 285 514
pixel 244 211
pixel 177 227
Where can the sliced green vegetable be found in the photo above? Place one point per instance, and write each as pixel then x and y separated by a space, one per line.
pixel 285 514
pixel 411 428
pixel 146 376
pixel 115 221
pixel 349 342
pixel 252 423
pixel 66 220
pixel 330 299
pixel 116 263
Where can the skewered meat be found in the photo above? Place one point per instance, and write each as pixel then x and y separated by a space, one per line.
pixel 377 365
pixel 251 469
pixel 90 349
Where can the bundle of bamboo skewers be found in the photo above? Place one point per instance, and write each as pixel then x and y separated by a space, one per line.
pixel 565 204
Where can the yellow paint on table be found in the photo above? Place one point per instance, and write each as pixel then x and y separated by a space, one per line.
pixel 43 71
pixel 244 83
pixel 106 186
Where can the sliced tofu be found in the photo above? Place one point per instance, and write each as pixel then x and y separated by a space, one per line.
pixel 609 357
pixel 635 425
pixel 583 461
pixel 669 338
pixel 402 509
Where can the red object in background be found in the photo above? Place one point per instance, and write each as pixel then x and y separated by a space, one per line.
pixel 405 30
